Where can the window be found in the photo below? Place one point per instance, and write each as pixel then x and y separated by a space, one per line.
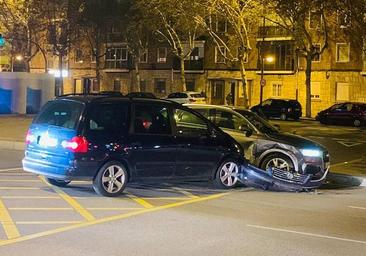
pixel 143 86
pixel 342 92
pixel 343 50
pixel 117 85
pixel 116 57
pixel 107 120
pixel 229 120
pixel 315 90
pixel 188 124
pixel 78 56
pixel 162 54
pixel 316 57
pixel 344 18
pixel 95 85
pixel 93 53
pixel 190 85
pixel 276 89
pixel 315 20
pixel 143 56
pixel 195 54
pixel 62 114
pixel 160 86
pixel 218 89
pixel 221 25
pixel 220 54
pixel 150 119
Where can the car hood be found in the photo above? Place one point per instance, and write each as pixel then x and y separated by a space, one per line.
pixel 294 140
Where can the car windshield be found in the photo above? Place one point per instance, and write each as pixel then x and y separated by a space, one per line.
pixel 261 124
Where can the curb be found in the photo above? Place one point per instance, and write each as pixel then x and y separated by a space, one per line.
pixel 12 145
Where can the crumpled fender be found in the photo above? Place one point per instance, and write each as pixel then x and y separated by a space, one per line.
pixel 275 179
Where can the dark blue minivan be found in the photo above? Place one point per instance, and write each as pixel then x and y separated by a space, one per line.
pixel 113 140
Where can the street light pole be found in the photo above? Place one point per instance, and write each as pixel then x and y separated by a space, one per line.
pixel 262 61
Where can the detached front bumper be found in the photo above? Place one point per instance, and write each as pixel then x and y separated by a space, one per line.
pixel 278 180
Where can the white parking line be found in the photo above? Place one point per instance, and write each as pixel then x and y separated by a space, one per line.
pixel 307 234
pixel 11 169
pixel 357 207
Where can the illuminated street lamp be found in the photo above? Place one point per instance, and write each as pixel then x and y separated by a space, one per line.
pixel 19 57
pixel 267 59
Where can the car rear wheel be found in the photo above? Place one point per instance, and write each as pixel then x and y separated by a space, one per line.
pixel 227 175
pixel 283 117
pixel 111 179
pixel 58 183
pixel 279 161
pixel 357 122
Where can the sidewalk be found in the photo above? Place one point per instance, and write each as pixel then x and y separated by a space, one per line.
pixel 13 129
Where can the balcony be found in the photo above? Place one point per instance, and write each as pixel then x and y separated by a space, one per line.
pixel 189 65
pixel 117 66
pixel 273 33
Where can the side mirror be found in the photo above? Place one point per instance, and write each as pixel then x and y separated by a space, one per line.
pixel 248 132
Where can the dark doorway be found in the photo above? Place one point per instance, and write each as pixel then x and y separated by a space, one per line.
pixel 217 92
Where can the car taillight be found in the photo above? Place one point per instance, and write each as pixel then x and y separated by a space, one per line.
pixel 77 144
pixel 192 100
pixel 289 109
pixel 29 138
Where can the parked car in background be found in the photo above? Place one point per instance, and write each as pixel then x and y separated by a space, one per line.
pixel 265 146
pixel 187 97
pixel 348 113
pixel 116 140
pixel 148 95
pixel 279 108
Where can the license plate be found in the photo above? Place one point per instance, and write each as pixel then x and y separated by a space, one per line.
pixel 47 141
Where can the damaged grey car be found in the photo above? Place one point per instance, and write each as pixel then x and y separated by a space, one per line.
pixel 268 148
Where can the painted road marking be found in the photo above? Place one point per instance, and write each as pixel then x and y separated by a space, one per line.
pixel 8 223
pixel 307 234
pixel 357 207
pixel 165 198
pixel 71 201
pixel 140 201
pixel 347 162
pixel 113 208
pixel 45 222
pixel 40 209
pixel 19 188
pixel 184 192
pixel 11 169
pixel 30 197
pixel 109 219
pixel 12 180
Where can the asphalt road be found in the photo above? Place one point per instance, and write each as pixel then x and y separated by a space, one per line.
pixel 174 219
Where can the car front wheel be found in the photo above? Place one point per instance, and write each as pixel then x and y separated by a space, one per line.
pixel 111 179
pixel 278 161
pixel 357 122
pixel 227 175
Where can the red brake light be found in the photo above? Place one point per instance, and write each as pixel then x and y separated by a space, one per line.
pixel 77 144
pixel 29 138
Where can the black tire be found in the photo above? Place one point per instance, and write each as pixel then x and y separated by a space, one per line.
pixel 116 184
pixel 218 183
pixel 58 183
pixel 281 157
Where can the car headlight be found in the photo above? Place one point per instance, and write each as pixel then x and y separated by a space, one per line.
pixel 311 152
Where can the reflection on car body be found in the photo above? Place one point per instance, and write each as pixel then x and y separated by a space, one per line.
pixel 265 146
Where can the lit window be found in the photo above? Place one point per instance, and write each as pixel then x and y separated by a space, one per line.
pixel 162 54
pixel 116 57
pixel 78 56
pixel 276 89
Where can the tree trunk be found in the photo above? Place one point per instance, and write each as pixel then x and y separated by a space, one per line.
pixel 60 80
pixel 244 82
pixel 308 84
pixel 138 78
pixel 182 75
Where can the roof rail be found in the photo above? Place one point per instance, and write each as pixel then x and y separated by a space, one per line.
pixel 103 93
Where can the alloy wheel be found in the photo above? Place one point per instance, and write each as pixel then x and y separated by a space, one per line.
pixel 229 174
pixel 113 179
pixel 279 163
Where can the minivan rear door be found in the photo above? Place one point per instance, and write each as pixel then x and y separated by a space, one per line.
pixel 55 125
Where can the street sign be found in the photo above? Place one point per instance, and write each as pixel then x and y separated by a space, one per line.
pixel 263 82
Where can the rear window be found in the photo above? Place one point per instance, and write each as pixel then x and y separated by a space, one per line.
pixel 196 95
pixel 64 114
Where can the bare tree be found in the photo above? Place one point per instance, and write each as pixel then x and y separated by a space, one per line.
pixel 234 45
pixel 173 22
pixel 23 29
pixel 309 24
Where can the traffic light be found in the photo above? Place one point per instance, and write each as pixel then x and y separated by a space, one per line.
pixel 2 40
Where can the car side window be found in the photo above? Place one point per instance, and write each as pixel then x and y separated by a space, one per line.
pixel 107 119
pixel 189 124
pixel 229 120
pixel 151 119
